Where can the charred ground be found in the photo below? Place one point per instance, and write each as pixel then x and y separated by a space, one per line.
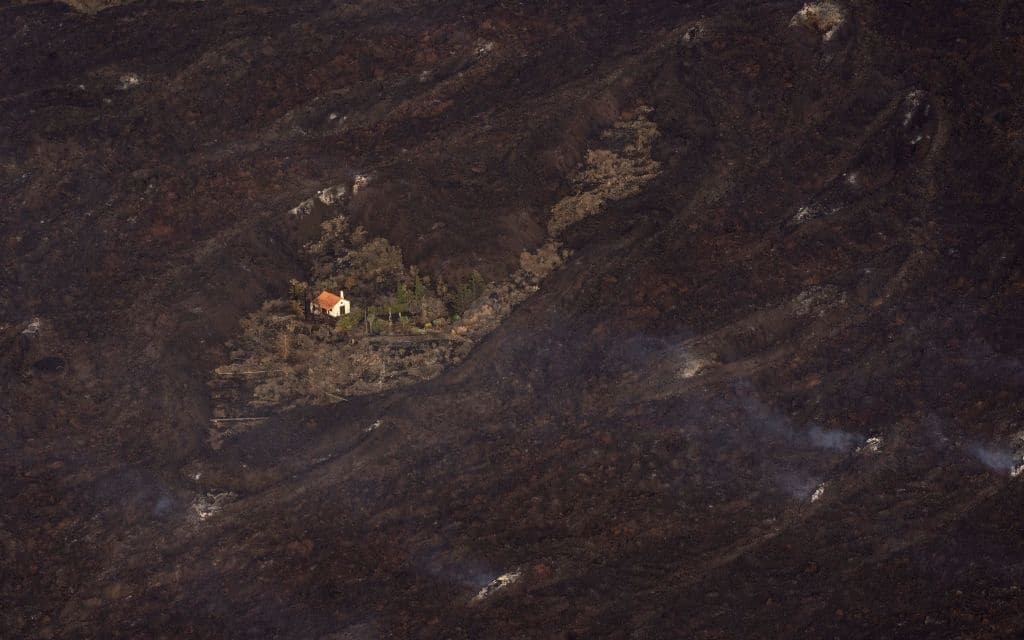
pixel 671 438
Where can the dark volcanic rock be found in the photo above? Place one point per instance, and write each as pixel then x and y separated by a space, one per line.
pixel 776 390
pixel 49 364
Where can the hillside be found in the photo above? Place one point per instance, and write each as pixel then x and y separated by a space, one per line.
pixel 690 319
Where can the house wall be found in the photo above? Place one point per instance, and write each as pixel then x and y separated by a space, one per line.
pixel 343 307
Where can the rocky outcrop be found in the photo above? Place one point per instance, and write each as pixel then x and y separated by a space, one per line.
pixel 92 6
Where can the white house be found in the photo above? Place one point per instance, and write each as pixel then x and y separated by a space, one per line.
pixel 329 304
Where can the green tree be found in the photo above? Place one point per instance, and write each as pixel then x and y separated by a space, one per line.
pixel 298 290
pixel 419 289
pixel 371 320
pixel 441 287
pixel 402 294
pixel 467 293
pixel 352 321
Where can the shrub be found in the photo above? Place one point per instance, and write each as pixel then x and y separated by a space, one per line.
pixel 371 320
pixel 419 288
pixel 398 307
pixel 402 294
pixel 348 322
pixel 467 293
pixel 298 289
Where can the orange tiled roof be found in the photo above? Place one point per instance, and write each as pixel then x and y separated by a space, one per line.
pixel 326 300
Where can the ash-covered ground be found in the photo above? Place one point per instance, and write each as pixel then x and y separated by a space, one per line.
pixel 737 350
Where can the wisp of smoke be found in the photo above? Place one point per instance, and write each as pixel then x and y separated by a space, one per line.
pixel 798 485
pixel 837 440
pixel 467 573
pixel 994 459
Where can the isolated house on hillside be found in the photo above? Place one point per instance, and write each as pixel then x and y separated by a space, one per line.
pixel 331 305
